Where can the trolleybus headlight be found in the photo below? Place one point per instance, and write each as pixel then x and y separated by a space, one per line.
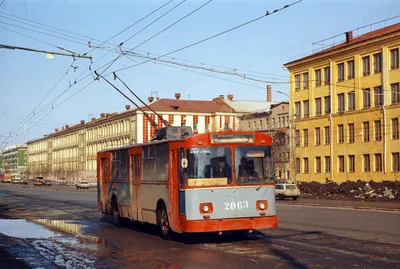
pixel 261 205
pixel 206 208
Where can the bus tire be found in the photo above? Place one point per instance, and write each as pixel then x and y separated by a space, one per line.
pixel 165 228
pixel 116 217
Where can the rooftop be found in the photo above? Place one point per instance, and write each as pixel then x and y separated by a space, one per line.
pixel 192 106
pixel 350 41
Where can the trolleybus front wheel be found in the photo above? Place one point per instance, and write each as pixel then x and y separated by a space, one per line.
pixel 164 224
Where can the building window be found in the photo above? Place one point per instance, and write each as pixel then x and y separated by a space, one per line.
pixel 317 77
pixel 305 161
pixel 327 164
pixel 378 96
pixel 341 134
pixel 317 165
pixel 366 131
pixel 394 59
pixel 378 131
pixel 341 163
pixel 298 165
pixel 327 135
pixel 395 128
pixel 366 163
pixel 340 69
pixel 306 109
pixel 327 75
pixel 350 69
pixel 366 98
pixel 351 97
pixel 305 80
pixel 395 93
pixel 366 66
pixel 297 82
pixel 317 136
pixel 305 137
pixel 378 162
pixel 351 133
pixel 297 138
pixel 226 126
pixel 341 102
pixel 261 124
pixel 298 110
pixel 327 104
pixel 396 161
pixel 352 163
pixel 318 107
pixel 377 63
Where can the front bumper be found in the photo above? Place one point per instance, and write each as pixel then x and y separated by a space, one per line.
pixel 218 225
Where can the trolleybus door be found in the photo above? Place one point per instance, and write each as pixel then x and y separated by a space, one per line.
pixel 135 191
pixel 174 191
pixel 103 182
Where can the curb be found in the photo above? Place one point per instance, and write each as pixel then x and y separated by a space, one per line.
pixel 341 206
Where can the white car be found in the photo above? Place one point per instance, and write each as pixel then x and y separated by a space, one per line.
pixel 285 190
pixel 82 185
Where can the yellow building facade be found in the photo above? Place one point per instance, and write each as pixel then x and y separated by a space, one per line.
pixel 346 102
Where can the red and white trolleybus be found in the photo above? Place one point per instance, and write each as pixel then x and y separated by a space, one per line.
pixel 184 183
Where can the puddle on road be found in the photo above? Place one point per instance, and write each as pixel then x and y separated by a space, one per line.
pixel 54 242
pixel 22 228
pixel 58 230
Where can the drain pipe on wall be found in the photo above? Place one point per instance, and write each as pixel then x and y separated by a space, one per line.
pixel 330 120
pixel 384 95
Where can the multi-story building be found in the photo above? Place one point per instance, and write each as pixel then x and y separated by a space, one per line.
pixel 347 107
pixel 275 122
pixel 1 161
pixel 14 160
pixel 70 152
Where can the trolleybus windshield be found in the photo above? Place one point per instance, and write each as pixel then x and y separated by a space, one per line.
pixel 209 166
pixel 254 165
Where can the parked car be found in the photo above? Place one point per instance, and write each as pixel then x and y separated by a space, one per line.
pixel 24 182
pixel 15 181
pixel 38 181
pixel 46 182
pixel 286 190
pixel 82 185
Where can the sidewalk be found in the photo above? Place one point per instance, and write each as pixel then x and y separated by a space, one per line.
pixel 375 205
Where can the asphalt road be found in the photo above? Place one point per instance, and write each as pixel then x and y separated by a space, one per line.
pixel 307 237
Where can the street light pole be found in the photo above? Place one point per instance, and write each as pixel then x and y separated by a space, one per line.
pixel 293 138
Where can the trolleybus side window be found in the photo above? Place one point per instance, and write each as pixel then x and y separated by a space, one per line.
pixel 209 163
pixel 115 157
pixel 162 161
pixel 120 165
pixel 148 163
pixel 254 165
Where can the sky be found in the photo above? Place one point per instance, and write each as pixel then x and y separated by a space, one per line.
pixel 35 92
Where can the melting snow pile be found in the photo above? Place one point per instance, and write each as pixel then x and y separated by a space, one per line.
pixel 354 190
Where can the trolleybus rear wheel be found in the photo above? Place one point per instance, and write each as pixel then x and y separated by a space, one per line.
pixel 164 224
pixel 115 212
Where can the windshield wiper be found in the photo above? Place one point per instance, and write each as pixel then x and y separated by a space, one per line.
pixel 265 180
